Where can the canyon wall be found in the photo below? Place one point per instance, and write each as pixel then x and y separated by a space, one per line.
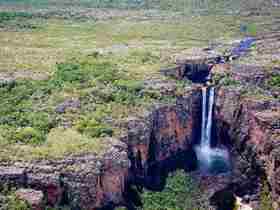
pixel 154 145
pixel 251 128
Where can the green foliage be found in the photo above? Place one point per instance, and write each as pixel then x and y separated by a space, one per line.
pixel 274 81
pixel 9 201
pixel 84 73
pixel 16 20
pixel 28 109
pixel 93 125
pixel 60 143
pixel 94 128
pixel 266 202
pixel 107 82
pixel 225 80
pixel 180 193
pixel 129 85
pixel 7 16
pixel 15 204
pixel 68 72
pixel 29 135
pixel 19 118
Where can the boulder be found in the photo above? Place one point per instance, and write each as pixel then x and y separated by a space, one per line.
pixel 32 197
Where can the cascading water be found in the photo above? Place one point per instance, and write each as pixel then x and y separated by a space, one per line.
pixel 211 160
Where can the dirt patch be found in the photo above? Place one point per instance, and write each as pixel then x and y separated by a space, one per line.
pixel 11 76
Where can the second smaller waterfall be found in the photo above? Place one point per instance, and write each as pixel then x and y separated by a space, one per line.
pixel 211 160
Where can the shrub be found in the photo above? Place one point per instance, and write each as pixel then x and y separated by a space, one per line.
pixel 7 134
pixel 127 91
pixel 11 202
pixel 41 121
pixel 29 135
pixel 68 72
pixel 225 80
pixel 18 110
pixel 129 85
pixel 180 193
pixel 84 72
pixel 94 128
pixel 274 81
pixel 266 202
pixel 102 71
pixel 125 97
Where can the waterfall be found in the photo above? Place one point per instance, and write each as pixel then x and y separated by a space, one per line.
pixel 203 122
pixel 206 126
pixel 211 160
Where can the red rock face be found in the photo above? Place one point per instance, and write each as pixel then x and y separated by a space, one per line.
pixel 32 197
pixel 172 133
pixel 54 194
pixel 93 181
pixel 253 129
pixel 110 187
pixel 166 131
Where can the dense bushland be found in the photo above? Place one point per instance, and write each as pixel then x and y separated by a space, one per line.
pixel 83 100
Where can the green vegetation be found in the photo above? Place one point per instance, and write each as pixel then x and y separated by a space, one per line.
pixel 14 203
pixel 274 81
pixel 225 80
pixel 137 44
pixel 9 201
pixel 180 193
pixel 94 128
pixel 266 201
pixel 7 16
pixel 17 21
pixel 38 121
pixel 20 119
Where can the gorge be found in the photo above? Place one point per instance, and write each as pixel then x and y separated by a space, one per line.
pixel 244 135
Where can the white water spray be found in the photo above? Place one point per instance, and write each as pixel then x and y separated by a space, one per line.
pixel 211 160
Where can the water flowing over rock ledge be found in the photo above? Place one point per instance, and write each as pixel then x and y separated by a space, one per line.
pixel 154 145
pixel 160 142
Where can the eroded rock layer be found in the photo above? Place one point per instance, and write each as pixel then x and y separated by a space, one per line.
pixel 251 127
pixel 154 145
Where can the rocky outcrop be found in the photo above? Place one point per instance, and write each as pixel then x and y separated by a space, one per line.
pixel 194 64
pixel 32 197
pixel 251 128
pixel 86 182
pixel 154 145
pixel 161 141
